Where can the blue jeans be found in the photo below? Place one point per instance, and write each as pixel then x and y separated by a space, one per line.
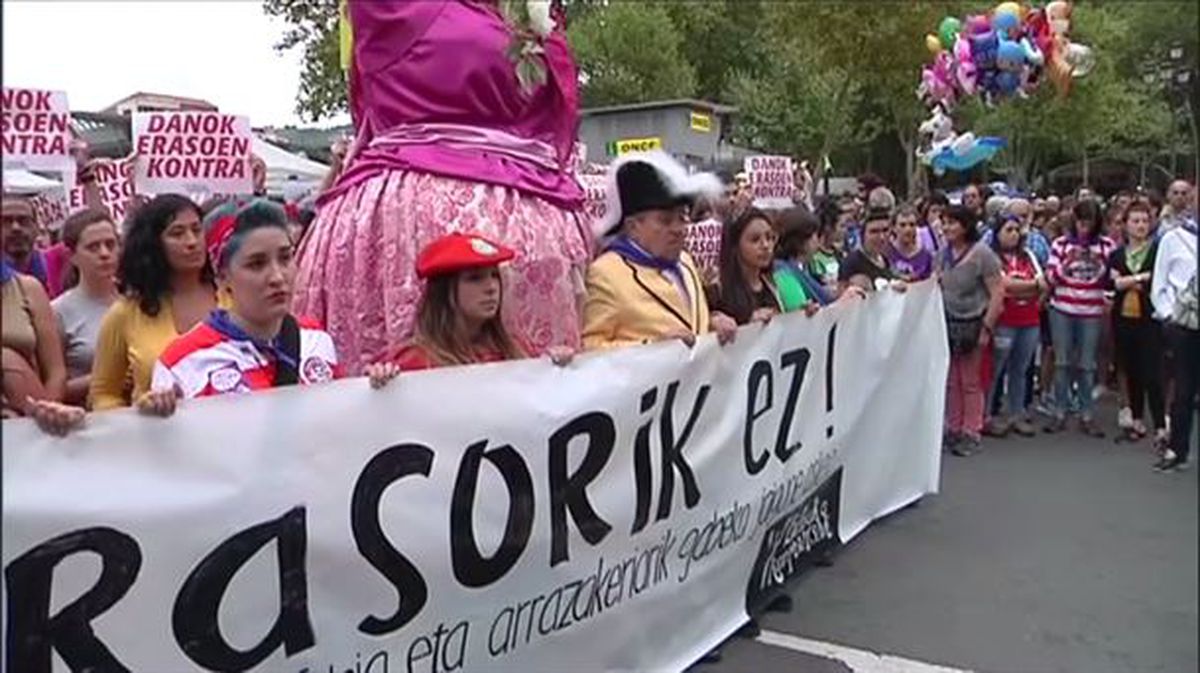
pixel 1075 341
pixel 1012 351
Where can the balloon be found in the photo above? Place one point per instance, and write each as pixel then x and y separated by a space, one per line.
pixel 978 24
pixel 965 70
pixel 1058 15
pixel 983 50
pixel 937 81
pixel 932 44
pixel 1031 52
pixel 1081 59
pixel 964 155
pixel 1013 8
pixel 948 31
pixel 1005 23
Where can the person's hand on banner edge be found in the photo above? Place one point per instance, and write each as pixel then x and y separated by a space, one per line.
pixel 561 356
pixel 811 308
pixel 725 327
pixel 763 315
pixel 381 373
pixel 160 403
pixel 683 334
pixel 898 286
pixel 851 293
pixel 55 418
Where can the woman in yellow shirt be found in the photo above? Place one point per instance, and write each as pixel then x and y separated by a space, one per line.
pixel 168 287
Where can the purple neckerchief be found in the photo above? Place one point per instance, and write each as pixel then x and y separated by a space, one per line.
pixel 7 272
pixel 633 252
pixel 220 321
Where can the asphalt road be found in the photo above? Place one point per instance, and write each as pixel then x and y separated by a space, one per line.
pixel 1050 554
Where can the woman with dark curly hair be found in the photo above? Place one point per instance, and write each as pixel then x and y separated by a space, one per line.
pixel 167 287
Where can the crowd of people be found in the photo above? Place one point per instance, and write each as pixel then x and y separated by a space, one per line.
pixel 1047 300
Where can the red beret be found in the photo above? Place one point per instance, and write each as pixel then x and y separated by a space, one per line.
pixel 454 252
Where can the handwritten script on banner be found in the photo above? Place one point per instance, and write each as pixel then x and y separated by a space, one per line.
pixel 36 130
pixel 512 516
pixel 190 152
pixel 771 181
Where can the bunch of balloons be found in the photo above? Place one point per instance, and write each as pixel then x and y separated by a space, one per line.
pixel 1003 54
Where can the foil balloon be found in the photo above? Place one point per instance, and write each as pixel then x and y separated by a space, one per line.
pixel 977 24
pixel 948 31
pixel 1081 59
pixel 1013 8
pixel 1006 24
pixel 966 153
pixel 933 44
pixel 937 81
pixel 965 71
pixel 1010 65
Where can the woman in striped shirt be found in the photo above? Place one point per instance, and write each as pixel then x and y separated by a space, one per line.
pixel 1078 280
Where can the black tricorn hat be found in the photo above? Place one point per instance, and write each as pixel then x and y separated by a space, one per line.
pixel 650 181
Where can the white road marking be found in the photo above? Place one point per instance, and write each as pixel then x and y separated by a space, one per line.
pixel 860 661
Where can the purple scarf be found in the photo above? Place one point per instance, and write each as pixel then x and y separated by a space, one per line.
pixel 632 252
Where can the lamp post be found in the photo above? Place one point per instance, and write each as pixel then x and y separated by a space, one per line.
pixel 1175 74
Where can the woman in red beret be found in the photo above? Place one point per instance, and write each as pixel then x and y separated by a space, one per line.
pixel 458 320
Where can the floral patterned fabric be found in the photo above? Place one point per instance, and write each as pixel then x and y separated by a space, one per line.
pixel 357 264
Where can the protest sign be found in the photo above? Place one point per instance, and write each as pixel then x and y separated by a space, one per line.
pixel 114 181
pixel 771 181
pixel 506 517
pixel 703 242
pixel 36 131
pixel 191 152
pixel 595 195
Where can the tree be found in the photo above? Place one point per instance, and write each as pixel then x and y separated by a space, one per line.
pixel 313 26
pixel 724 39
pixel 798 106
pixel 630 52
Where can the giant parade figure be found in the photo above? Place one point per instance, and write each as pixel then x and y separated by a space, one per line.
pixel 465 115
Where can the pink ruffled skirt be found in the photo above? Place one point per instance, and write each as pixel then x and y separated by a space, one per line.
pixel 357 263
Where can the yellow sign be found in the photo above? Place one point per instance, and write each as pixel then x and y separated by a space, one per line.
pixel 634 145
pixel 701 122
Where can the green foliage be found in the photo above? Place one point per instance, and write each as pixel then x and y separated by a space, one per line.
pixel 814 77
pixel 313 27
pixel 631 52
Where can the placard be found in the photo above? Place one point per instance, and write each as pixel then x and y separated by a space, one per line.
pixel 771 181
pixel 192 152
pixel 36 131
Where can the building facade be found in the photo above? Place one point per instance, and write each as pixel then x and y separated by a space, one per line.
pixel 154 102
pixel 695 132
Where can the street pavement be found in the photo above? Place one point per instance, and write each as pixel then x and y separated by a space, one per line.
pixel 1057 553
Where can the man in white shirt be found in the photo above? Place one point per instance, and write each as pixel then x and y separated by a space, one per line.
pixel 1173 292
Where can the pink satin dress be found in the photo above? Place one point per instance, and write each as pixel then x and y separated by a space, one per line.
pixel 447 141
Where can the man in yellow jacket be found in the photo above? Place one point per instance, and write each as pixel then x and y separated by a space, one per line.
pixel 644 288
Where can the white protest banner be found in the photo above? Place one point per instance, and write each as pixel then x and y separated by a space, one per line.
pixel 703 242
pixel 36 131
pixel 623 513
pixel 771 181
pixel 114 180
pixel 189 152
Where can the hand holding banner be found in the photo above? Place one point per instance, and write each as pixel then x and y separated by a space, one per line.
pixel 506 517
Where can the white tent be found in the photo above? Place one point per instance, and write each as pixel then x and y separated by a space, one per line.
pixel 288 175
pixel 20 181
